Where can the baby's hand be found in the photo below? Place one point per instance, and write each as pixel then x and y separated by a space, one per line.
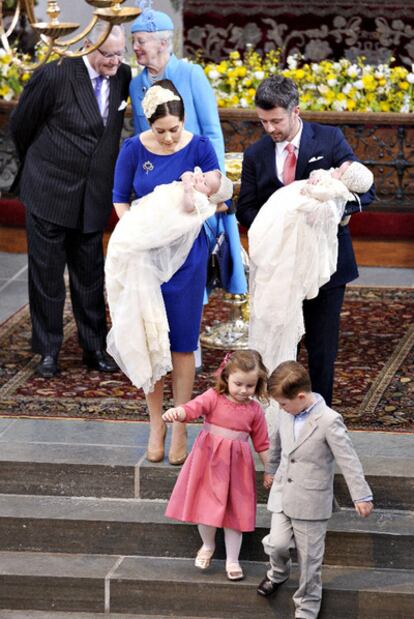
pixel 313 180
pixel 267 481
pixel 364 508
pixel 174 414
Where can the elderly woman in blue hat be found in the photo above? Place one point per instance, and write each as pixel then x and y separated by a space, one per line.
pixel 152 34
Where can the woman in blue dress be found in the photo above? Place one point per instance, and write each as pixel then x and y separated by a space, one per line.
pixel 158 156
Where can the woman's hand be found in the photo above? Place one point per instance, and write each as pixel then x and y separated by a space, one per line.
pixel 121 208
pixel 222 207
pixel 174 414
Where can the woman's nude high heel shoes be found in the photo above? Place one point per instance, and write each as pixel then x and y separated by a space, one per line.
pixel 178 450
pixel 155 453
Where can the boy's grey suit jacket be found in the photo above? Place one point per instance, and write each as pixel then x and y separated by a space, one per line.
pixel 304 469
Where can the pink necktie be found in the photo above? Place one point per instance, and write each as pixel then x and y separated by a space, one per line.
pixel 289 166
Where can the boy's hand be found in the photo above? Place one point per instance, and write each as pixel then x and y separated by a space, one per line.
pixel 174 414
pixel 267 481
pixel 364 508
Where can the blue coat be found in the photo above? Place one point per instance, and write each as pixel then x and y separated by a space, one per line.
pixel 327 147
pixel 201 118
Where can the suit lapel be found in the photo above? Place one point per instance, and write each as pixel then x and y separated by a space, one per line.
pixel 306 148
pixel 114 98
pixel 269 158
pixel 309 427
pixel 82 88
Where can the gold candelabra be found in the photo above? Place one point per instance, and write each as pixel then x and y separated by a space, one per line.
pixel 234 333
pixel 52 31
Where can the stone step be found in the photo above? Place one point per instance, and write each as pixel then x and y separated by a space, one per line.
pixel 392 483
pixel 139 527
pixel 78 461
pixel 41 614
pixel 173 587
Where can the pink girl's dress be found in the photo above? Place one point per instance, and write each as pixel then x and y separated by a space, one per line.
pixel 217 484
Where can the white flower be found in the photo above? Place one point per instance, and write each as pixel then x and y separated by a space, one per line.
pixel 243 102
pixel 213 74
pixel 359 84
pixel 347 89
pixel 332 82
pixel 353 70
pixel 410 78
pixel 292 62
pixel 339 106
pixel 259 75
pixel 323 89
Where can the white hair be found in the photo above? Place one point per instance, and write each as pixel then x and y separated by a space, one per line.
pixel 101 27
pixel 165 35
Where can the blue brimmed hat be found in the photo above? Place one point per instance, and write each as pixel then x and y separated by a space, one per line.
pixel 152 21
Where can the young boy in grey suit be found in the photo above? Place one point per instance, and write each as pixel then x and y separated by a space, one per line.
pixel 309 438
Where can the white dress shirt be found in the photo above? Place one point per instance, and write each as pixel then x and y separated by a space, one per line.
pixel 104 96
pixel 281 153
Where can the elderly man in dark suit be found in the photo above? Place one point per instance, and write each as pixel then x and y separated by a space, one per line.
pixel 67 129
pixel 290 151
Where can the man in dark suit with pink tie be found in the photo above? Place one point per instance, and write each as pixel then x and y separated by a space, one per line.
pixel 67 129
pixel 289 151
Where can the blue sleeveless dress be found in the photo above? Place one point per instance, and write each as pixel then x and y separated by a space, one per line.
pixel 139 171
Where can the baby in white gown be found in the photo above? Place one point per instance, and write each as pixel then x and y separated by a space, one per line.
pixel 293 251
pixel 148 245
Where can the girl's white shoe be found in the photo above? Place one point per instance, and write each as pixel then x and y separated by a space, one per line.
pixel 234 571
pixel 203 558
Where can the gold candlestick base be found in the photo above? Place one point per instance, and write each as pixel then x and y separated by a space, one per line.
pixel 233 334
pixel 116 17
pixel 54 31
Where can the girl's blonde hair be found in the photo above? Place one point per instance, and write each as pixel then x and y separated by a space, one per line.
pixel 245 361
pixel 288 380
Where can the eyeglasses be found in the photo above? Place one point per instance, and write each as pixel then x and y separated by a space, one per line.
pixel 141 42
pixel 111 56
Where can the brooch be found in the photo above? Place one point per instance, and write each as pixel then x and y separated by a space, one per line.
pixel 148 166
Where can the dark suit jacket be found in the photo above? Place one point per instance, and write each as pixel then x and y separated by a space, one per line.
pixel 67 154
pixel 328 147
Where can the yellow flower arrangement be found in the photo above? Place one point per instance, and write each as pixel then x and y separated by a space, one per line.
pixel 13 75
pixel 325 86
pixel 12 79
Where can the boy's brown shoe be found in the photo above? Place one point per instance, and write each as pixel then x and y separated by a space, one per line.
pixel 268 587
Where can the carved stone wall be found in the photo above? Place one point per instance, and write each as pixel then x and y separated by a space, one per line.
pixel 319 29
pixel 384 142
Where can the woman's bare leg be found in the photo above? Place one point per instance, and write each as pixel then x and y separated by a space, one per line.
pixel 182 385
pixel 155 450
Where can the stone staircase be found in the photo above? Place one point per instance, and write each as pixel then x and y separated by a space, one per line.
pixel 82 533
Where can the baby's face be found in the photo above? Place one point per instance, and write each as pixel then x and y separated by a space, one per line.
pixel 207 182
pixel 337 173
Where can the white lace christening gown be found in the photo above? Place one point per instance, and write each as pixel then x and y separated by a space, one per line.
pixel 293 250
pixel 148 245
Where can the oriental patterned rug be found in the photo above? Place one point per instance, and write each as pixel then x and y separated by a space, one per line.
pixel 374 386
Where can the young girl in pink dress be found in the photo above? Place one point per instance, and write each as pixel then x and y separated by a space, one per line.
pixel 217 484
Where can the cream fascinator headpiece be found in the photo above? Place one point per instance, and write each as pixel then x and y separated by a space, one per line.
pixel 154 97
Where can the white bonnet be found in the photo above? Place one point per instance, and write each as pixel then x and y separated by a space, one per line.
pixel 357 177
pixel 224 192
